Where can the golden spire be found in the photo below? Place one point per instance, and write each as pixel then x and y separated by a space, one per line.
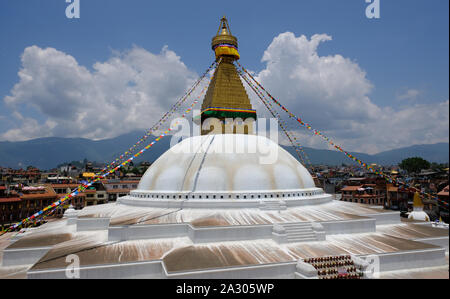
pixel 226 97
pixel 417 202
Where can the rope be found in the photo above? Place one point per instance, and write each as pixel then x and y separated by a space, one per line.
pixel 101 175
pixel 280 121
pixel 318 133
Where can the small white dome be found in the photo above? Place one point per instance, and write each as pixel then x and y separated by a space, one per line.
pixel 418 215
pixel 71 212
pixel 226 162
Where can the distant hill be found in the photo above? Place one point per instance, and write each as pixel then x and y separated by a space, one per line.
pixel 328 157
pixel 431 152
pixel 47 153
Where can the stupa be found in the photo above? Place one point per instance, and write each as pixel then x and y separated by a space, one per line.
pixel 418 213
pixel 227 204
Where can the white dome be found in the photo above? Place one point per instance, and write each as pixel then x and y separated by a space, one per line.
pixel 226 163
pixel 418 215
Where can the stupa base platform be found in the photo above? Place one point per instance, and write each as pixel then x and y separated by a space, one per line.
pixel 118 241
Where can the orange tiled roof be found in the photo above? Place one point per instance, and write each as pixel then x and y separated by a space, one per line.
pixel 444 192
pixel 38 195
pixel 65 185
pixel 10 199
pixel 50 193
pixel 392 189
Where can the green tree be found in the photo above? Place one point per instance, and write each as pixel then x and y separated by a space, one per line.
pixel 414 164
pixel 136 171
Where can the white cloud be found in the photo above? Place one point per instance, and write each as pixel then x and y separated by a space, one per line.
pixel 332 94
pixel 410 94
pixel 133 89
pixel 129 91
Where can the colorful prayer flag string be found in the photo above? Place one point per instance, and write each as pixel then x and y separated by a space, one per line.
pixel 99 176
pixel 329 141
pixel 276 115
pixel 162 120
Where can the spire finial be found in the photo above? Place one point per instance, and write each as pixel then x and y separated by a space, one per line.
pixel 224 43
pixel 224 28
pixel 417 201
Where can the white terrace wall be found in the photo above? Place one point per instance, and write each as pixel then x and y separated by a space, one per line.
pixel 156 269
pixel 23 256
pixel 412 259
pixel 151 269
pixel 197 235
pixel 89 224
pixel 352 226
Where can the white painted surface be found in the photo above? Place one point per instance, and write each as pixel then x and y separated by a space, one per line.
pixel 189 166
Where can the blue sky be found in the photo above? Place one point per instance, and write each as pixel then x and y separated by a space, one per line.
pixel 406 49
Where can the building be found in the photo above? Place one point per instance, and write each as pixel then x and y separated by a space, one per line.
pixel 117 188
pixel 78 202
pixel 96 194
pixel 16 204
pixel 202 210
pixel 31 175
pixel 367 190
pixel 443 204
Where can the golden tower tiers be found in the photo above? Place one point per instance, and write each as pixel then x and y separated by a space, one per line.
pixel 226 108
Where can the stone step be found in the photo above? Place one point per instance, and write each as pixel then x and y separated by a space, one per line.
pixel 305 234
pixel 300 232
pixel 301 224
pixel 298 229
pixel 295 240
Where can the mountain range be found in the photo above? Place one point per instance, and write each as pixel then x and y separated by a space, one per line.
pixel 47 153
